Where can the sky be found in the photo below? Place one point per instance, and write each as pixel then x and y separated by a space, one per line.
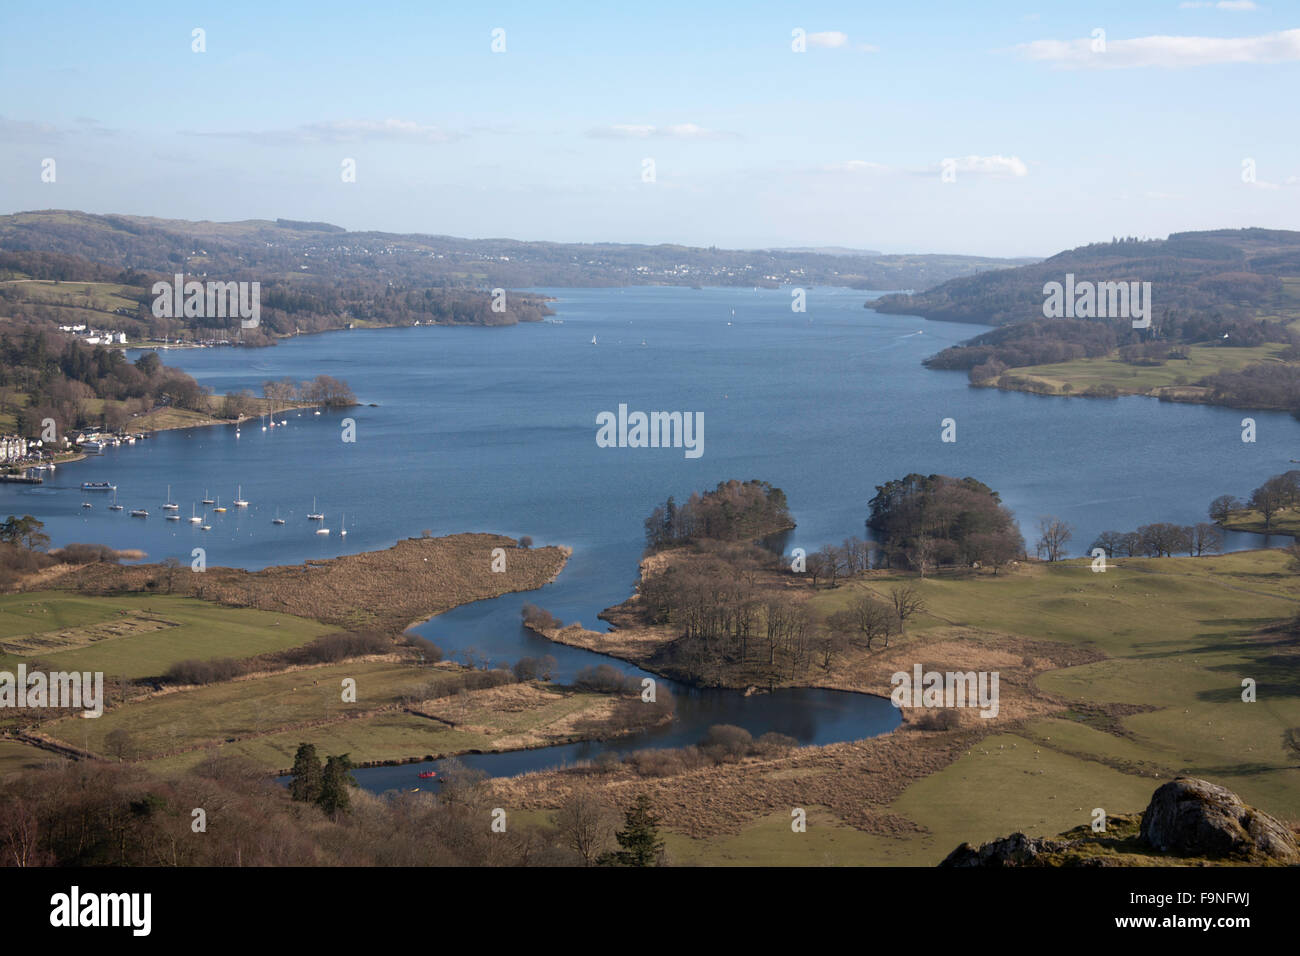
pixel 991 128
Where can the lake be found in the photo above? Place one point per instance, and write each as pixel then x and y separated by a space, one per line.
pixel 479 429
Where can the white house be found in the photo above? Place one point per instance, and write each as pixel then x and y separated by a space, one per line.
pixel 12 447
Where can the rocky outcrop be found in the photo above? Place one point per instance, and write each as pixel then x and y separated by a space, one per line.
pixel 1015 850
pixel 1197 818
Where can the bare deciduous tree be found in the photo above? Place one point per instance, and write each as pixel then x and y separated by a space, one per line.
pixel 586 824
pixel 907 602
pixel 1054 534
pixel 1223 506
pixel 118 743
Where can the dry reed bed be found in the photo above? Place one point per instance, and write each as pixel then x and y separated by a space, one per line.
pixel 387 590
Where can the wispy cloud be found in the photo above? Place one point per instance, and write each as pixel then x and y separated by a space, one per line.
pixel 682 131
pixel 1006 166
pixel 23 131
pixel 985 166
pixel 1265 184
pixel 828 39
pixel 1170 52
pixel 1236 6
pixel 836 40
pixel 334 132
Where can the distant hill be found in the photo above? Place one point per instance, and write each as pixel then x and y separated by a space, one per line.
pixel 255 247
pixel 832 251
pixel 1224 325
pixel 1225 273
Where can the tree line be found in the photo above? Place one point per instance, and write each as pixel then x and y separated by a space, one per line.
pixel 101 814
pixel 734 511
pixel 925 521
pixel 1276 494
pixel 1161 540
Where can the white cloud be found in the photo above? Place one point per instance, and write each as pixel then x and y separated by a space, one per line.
pixel 831 39
pixel 1171 52
pixel 986 165
pixel 1012 166
pixel 682 131
pixel 345 131
pixel 1237 6
pixel 836 40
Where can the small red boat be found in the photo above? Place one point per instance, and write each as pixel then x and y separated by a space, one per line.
pixel 426 774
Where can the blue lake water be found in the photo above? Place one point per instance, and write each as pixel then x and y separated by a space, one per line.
pixel 494 430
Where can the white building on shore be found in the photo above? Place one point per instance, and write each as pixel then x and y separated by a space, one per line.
pixel 12 448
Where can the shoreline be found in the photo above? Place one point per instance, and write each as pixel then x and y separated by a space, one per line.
pixel 207 423
pixel 273 340
pixel 414 580
pixel 473 752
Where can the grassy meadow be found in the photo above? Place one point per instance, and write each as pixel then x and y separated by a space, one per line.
pixel 1180 634
pixel 1082 374
pixel 135 636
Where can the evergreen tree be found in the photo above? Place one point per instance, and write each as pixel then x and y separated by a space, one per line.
pixel 639 838
pixel 307 777
pixel 334 785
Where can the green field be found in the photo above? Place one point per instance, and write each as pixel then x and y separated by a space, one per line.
pixel 392 735
pixel 1286 521
pixel 1202 360
pixel 15 756
pixel 242 708
pixel 91 297
pixel 1286 308
pixel 1180 633
pixel 137 636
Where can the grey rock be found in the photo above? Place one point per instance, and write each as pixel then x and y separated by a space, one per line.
pixel 1195 817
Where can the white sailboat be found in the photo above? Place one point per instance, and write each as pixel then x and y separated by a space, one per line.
pixel 171 505
pixel 593 340
pixel 239 497
pixel 194 519
pixel 114 506
pixel 277 519
pixel 315 515
pixel 206 499
pixel 218 508
pixel 343 520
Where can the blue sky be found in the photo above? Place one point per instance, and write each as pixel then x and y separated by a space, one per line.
pixel 1053 144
